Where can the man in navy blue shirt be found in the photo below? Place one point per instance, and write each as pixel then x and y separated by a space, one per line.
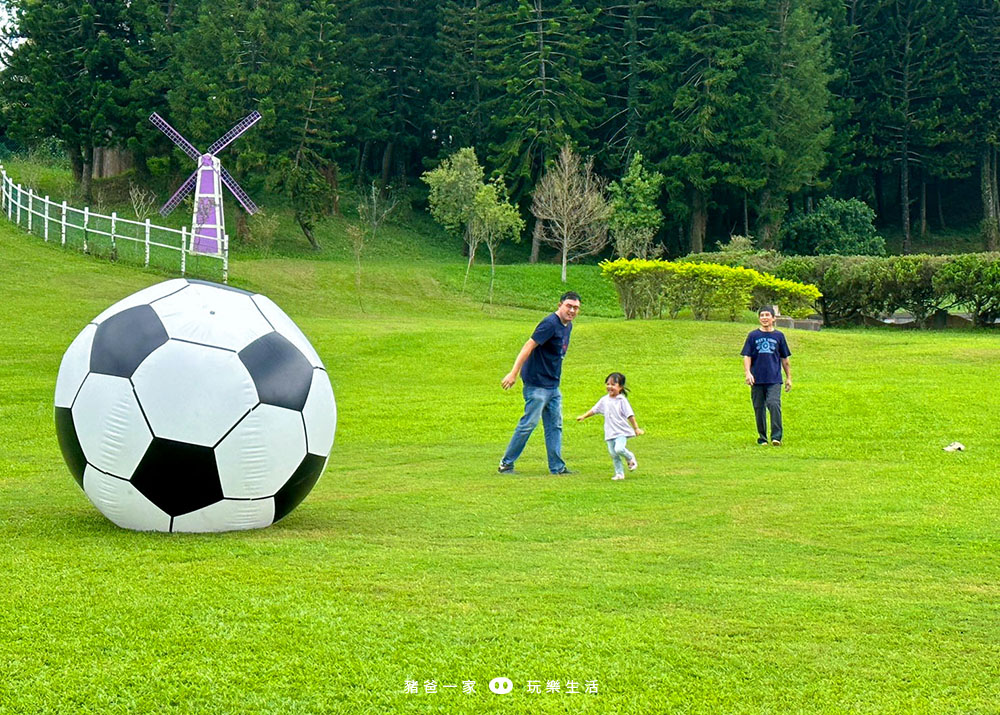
pixel 540 365
pixel 765 355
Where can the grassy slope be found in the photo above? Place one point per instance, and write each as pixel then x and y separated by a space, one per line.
pixel 854 569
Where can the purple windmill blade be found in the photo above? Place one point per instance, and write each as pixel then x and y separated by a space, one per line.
pixel 238 192
pixel 174 136
pixel 230 136
pixel 179 195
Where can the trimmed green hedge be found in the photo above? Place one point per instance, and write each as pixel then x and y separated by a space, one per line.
pixel 856 286
pixel 648 289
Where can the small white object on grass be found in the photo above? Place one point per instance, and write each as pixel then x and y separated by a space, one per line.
pixel 955 447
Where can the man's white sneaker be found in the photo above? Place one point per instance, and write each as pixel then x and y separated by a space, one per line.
pixel 617 477
pixel 633 465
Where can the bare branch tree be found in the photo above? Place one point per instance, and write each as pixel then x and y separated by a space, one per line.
pixel 373 210
pixel 142 200
pixel 571 208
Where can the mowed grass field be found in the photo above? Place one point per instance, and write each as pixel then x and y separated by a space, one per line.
pixel 855 569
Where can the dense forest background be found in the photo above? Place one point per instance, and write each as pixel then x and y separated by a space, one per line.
pixel 753 110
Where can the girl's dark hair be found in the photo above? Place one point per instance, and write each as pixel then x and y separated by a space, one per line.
pixel 618 379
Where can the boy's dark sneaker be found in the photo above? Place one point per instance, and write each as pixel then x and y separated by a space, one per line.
pixel 565 470
pixel 761 442
pixel 505 468
pixel 776 442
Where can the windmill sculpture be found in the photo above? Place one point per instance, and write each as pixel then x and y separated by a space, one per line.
pixel 207 225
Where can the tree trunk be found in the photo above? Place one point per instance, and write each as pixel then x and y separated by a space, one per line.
pixel 87 176
pixel 472 256
pixel 76 163
pixel 242 225
pixel 492 270
pixel 307 231
pixel 536 243
pixel 362 163
pixel 746 217
pixel 769 220
pixel 991 231
pixel 633 101
pixel 879 198
pixel 141 167
pixel 904 197
pixel 995 186
pixel 565 253
pixel 386 168
pixel 331 174
pixel 923 204
pixel 699 219
pixel 940 207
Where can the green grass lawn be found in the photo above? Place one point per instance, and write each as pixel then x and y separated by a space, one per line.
pixel 854 569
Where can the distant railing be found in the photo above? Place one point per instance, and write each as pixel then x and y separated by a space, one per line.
pixel 112 237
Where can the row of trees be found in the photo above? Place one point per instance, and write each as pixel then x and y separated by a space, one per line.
pixel 746 107
pixel 573 207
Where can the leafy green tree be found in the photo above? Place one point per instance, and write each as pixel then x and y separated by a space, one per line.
pixel 840 226
pixel 913 85
pixel 980 61
pixel 635 217
pixel 282 59
pixel 69 74
pixel 794 119
pixel 463 74
pixel 454 185
pixel 389 48
pixel 698 111
pixel 973 280
pixel 493 220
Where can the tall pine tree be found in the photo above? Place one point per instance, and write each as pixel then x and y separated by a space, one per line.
pixel 549 100
pixel 980 21
pixel 69 77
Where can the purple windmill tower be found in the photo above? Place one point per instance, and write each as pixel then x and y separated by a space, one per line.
pixel 208 224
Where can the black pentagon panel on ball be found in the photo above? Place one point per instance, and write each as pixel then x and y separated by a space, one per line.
pixel 178 477
pixel 219 286
pixel 298 485
pixel 126 339
pixel 280 371
pixel 69 443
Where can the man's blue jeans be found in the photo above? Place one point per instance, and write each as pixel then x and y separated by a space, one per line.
pixel 545 404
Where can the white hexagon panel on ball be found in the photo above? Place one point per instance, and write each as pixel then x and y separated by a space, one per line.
pixel 192 406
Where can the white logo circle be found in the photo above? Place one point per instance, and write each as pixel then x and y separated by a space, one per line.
pixel 501 686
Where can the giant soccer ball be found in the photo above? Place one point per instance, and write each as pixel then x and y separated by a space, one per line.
pixel 191 406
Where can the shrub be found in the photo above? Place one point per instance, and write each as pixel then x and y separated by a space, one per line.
pixel 648 288
pixel 263 229
pixel 639 284
pixel 851 286
pixel 910 286
pixel 838 226
pixel 972 280
pixel 739 252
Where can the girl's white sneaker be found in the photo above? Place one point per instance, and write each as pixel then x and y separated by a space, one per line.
pixel 617 477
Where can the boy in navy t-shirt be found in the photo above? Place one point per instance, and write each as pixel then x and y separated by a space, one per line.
pixel 765 355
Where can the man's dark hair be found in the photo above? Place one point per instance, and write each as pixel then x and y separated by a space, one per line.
pixel 569 295
pixel 766 309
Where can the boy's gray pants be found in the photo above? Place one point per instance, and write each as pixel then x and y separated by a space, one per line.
pixel 767 397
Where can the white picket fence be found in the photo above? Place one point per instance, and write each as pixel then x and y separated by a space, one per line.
pixel 118 238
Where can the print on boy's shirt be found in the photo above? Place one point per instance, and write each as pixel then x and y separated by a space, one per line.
pixel 767 345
